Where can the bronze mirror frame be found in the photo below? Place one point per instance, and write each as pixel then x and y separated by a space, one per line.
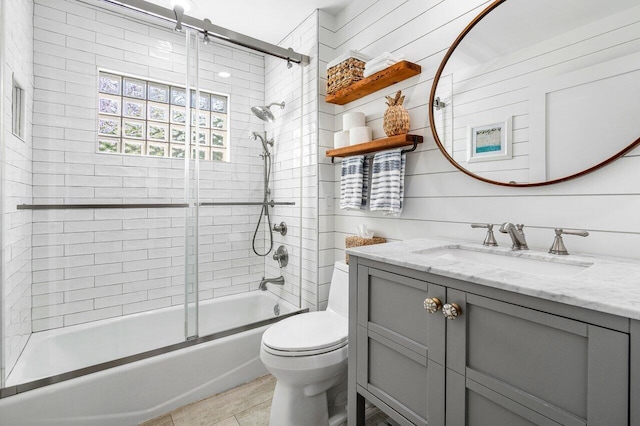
pixel 443 150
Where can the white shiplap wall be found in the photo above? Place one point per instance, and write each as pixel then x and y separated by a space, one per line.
pixel 90 265
pixel 17 179
pixel 439 200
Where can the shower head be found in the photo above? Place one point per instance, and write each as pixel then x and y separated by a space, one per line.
pixel 263 139
pixel 264 112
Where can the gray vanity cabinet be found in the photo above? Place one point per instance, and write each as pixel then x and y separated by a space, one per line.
pixel 401 357
pixel 528 367
pixel 500 362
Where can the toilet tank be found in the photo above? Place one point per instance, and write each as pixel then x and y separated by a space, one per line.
pixel 339 290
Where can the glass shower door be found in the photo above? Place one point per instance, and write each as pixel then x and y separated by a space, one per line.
pixel 192 188
pixel 101 206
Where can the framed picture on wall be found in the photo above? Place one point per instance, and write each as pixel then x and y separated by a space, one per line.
pixel 489 142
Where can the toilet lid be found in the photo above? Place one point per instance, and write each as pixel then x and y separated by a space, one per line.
pixel 307 333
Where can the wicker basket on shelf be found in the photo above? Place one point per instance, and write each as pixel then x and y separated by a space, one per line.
pixel 355 241
pixel 344 74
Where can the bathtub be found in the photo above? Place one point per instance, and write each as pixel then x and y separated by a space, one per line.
pixel 132 392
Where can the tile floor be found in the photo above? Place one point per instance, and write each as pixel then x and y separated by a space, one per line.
pixel 248 404
pixel 245 405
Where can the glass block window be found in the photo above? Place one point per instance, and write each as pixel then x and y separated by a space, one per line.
pixel 143 117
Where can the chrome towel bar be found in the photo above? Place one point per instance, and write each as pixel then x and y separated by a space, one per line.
pixel 148 206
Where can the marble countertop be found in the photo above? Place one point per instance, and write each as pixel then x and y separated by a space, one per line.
pixel 606 285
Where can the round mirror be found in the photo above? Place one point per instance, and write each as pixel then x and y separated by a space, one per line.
pixel 539 92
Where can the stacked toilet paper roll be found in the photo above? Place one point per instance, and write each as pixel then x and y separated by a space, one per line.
pixel 353 131
pixel 351 120
pixel 360 135
pixel 341 139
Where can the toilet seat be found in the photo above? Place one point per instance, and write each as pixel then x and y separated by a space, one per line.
pixel 306 334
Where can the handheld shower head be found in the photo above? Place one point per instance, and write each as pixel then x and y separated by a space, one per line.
pixel 264 112
pixel 263 139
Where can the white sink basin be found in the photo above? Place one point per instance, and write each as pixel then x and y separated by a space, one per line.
pixel 524 262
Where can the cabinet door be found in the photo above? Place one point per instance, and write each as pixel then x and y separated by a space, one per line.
pixel 397 341
pixel 471 404
pixel 527 361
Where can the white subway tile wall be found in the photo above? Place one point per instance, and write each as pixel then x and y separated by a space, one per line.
pixel 295 163
pixel 95 264
pixel 16 188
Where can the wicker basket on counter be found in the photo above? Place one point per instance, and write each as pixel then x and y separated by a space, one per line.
pixel 355 241
pixel 344 74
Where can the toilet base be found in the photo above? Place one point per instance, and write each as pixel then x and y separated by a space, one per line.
pixel 337 401
pixel 291 407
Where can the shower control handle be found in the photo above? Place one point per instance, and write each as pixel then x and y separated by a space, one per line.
pixel 281 256
pixel 282 228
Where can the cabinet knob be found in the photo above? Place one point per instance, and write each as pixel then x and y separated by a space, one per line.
pixel 432 304
pixel 451 310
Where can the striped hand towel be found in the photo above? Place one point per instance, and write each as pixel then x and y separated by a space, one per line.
pixel 366 181
pixel 387 182
pixel 352 182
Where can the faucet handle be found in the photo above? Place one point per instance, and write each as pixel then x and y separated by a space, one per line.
pixel 581 233
pixel 282 228
pixel 482 225
pixel 281 256
pixel 558 246
pixel 490 239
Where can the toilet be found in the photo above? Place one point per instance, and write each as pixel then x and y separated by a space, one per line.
pixel 307 354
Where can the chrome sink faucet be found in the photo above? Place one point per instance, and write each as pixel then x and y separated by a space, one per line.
pixel 517 235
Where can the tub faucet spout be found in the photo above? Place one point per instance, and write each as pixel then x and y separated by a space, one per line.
pixel 517 235
pixel 265 281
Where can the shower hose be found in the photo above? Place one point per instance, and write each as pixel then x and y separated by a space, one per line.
pixel 265 207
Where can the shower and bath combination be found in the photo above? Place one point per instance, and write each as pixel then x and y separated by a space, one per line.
pixel 264 113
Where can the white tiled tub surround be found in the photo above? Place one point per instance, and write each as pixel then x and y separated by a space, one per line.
pixel 441 201
pixel 94 264
pixel 16 187
pixel 294 167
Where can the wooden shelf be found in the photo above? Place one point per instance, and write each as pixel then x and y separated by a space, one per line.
pixel 385 78
pixel 374 146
